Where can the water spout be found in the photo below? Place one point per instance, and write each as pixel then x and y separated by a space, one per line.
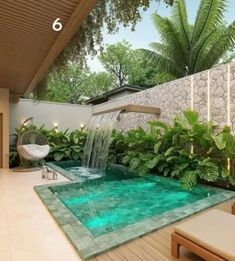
pixel 99 139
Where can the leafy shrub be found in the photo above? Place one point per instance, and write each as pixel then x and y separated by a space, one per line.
pixel 188 150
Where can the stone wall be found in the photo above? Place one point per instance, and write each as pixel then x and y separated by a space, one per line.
pixel 211 93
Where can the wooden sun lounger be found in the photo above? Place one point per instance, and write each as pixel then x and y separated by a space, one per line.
pixel 210 236
pixel 233 208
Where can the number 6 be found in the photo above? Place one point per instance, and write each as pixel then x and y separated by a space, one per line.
pixel 57 26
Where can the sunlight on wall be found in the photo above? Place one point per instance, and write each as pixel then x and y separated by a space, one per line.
pixel 208 96
pixel 229 96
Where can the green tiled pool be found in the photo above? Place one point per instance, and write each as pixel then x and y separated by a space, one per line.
pixel 114 207
pixel 112 204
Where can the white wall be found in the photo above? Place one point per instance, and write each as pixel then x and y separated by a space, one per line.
pixel 49 113
pixel 4 108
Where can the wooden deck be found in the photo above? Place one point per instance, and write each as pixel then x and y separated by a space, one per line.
pixel 154 246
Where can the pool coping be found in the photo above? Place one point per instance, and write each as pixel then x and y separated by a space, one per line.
pixel 88 246
pixel 63 172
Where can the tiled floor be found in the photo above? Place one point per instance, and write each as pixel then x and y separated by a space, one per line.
pixel 27 230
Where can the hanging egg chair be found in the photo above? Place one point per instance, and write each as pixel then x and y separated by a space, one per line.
pixel 33 145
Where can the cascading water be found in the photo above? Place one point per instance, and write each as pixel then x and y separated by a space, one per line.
pixel 98 140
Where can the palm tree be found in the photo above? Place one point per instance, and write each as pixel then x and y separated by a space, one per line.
pixel 187 49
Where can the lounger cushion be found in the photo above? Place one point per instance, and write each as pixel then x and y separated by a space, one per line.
pixel 214 230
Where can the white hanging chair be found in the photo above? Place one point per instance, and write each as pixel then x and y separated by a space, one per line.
pixel 33 145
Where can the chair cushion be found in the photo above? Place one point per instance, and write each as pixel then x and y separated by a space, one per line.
pixel 34 151
pixel 213 230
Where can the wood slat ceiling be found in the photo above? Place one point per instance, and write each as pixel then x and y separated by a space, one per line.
pixel 28 44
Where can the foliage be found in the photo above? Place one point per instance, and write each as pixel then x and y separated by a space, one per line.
pixel 88 39
pixel 75 85
pixel 135 148
pixel 127 65
pixel 118 59
pixel 188 150
pixel 64 145
pixel 144 73
pixel 106 14
pixel 99 82
pixel 67 86
pixel 187 49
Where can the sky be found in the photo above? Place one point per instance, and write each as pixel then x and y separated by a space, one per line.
pixel 145 32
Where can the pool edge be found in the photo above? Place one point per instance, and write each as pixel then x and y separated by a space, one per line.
pixel 89 246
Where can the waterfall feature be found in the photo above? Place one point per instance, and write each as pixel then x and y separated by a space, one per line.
pixel 98 140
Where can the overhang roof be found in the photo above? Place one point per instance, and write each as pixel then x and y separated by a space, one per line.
pixel 105 96
pixel 28 44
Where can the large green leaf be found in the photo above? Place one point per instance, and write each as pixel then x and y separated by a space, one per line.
pixel 208 170
pixel 150 164
pixel 156 147
pixel 170 151
pixel 134 163
pixel 189 179
pixel 219 141
pixel 192 117
pixel 59 156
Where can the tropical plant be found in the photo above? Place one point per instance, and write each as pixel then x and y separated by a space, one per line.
pixel 188 150
pixel 135 148
pixel 187 49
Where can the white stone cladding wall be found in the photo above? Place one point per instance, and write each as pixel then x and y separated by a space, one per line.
pixel 211 93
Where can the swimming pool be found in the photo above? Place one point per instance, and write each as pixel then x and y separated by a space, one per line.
pixel 112 204
pixel 101 213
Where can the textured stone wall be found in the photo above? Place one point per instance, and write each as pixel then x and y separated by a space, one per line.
pixel 200 94
pixel 232 95
pixel 211 93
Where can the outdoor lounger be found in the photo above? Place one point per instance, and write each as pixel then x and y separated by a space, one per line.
pixel 210 236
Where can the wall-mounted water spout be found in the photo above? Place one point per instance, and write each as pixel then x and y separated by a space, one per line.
pixel 99 139
pixel 132 108
pixel 100 131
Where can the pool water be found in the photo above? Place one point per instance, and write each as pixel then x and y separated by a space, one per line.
pixel 85 173
pixel 119 199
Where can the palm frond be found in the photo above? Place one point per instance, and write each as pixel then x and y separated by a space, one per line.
pixel 170 53
pixel 180 18
pixel 209 16
pixel 163 63
pixel 201 49
pixel 168 34
pixel 220 47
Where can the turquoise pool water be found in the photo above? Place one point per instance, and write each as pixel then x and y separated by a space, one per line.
pixel 119 198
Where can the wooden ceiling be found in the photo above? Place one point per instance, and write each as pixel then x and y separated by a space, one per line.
pixel 28 44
